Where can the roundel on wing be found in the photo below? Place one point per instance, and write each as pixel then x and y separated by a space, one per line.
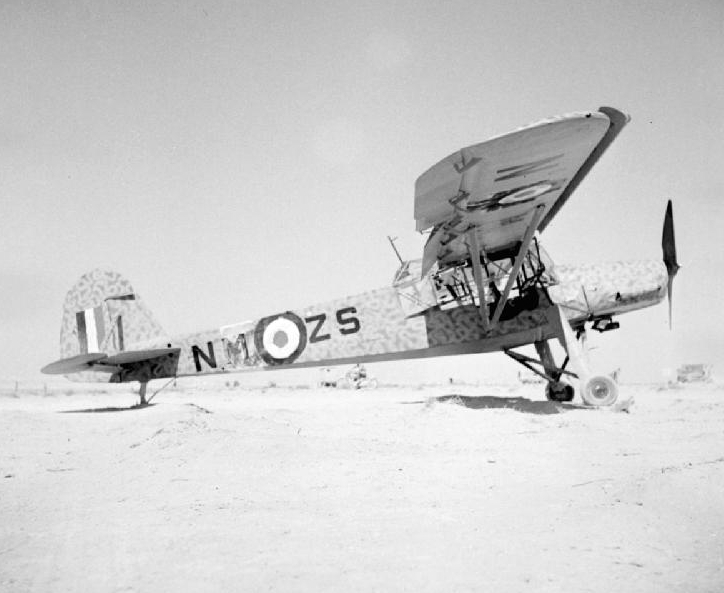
pixel 280 339
pixel 516 195
pixel 524 194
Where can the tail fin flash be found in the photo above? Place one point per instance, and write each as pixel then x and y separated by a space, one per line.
pixel 102 313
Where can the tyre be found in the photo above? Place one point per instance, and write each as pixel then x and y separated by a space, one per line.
pixel 600 391
pixel 560 392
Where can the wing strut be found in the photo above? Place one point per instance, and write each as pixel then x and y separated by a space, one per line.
pixel 474 248
pixel 527 238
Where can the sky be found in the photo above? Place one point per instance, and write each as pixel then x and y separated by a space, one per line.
pixel 236 159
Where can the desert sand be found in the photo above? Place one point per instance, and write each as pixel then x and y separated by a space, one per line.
pixel 436 488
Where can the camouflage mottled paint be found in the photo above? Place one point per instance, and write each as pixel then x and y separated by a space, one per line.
pixel 385 331
pixel 461 325
pixel 94 289
pixel 97 289
pixel 609 288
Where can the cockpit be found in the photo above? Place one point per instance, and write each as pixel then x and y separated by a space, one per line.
pixel 455 285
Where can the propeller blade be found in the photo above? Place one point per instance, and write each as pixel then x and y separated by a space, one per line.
pixel 668 241
pixel 668 246
pixel 670 295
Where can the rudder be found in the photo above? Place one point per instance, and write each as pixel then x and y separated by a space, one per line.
pixel 102 313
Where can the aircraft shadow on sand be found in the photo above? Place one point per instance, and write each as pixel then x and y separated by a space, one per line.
pixel 492 402
pixel 108 409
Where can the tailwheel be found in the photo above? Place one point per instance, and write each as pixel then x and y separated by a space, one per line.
pixel 559 391
pixel 600 391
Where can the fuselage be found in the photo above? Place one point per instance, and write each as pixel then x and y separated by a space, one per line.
pixel 599 290
pixel 413 318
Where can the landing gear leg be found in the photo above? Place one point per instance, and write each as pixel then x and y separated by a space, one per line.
pixel 596 390
pixel 556 390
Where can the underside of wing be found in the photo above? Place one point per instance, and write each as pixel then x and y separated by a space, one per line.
pixel 509 186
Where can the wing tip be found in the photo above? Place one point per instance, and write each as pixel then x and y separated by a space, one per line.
pixel 615 116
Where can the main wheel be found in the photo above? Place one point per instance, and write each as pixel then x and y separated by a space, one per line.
pixel 600 391
pixel 560 392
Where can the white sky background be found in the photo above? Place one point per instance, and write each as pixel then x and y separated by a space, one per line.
pixel 236 159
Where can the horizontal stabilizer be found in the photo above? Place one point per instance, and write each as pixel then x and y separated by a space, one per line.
pixel 74 364
pixel 100 362
pixel 137 356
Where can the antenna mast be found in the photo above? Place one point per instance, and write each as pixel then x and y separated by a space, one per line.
pixel 397 253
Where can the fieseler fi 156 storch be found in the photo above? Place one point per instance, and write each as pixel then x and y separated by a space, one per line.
pixel 484 283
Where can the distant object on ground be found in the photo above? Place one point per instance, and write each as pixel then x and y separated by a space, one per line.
pixel 529 378
pixel 354 378
pixel 694 373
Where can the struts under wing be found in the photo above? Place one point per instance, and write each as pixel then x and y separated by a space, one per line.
pixel 486 202
pixel 485 205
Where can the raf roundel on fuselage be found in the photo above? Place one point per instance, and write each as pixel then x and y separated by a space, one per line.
pixel 280 339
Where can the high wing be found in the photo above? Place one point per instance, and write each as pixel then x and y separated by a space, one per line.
pixel 491 197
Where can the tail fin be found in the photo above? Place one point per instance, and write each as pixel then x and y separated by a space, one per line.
pixel 102 313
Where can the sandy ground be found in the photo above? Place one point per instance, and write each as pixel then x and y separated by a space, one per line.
pixel 396 489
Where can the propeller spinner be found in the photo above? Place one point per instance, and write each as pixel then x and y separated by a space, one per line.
pixel 668 245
